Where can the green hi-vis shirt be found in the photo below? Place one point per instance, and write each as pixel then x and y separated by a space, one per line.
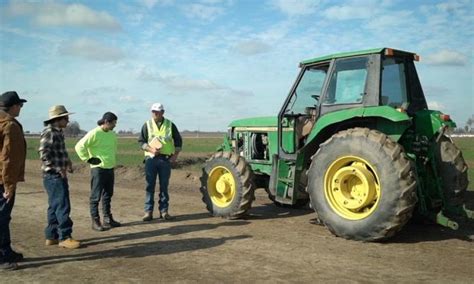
pixel 100 144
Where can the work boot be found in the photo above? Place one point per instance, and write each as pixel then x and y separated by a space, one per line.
pixel 69 243
pixel 8 266
pixel 148 216
pixel 14 256
pixel 96 226
pixel 165 216
pixel 50 242
pixel 109 222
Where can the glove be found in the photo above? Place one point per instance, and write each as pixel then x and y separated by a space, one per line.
pixel 94 161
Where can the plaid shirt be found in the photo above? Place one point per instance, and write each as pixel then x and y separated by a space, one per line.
pixel 52 150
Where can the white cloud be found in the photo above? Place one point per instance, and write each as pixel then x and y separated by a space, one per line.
pixel 175 82
pixel 446 58
pixel 202 12
pixel 252 47
pixel 186 84
pixel 347 12
pixel 29 34
pixel 436 105
pixel 391 21
pixel 296 7
pixel 56 14
pixel 127 99
pixel 91 50
pixel 152 3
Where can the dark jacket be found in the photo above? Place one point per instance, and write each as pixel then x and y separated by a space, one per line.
pixel 13 152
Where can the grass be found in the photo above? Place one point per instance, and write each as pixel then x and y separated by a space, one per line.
pixel 129 153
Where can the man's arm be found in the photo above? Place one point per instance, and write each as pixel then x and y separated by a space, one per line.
pixel 44 150
pixel 12 158
pixel 82 147
pixel 178 142
pixel 143 137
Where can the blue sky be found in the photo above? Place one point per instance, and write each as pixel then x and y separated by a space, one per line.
pixel 212 61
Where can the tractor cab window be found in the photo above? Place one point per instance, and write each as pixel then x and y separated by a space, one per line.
pixel 308 90
pixel 347 85
pixel 394 87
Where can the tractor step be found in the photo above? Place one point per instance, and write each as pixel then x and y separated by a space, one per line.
pixel 446 222
pixel 469 213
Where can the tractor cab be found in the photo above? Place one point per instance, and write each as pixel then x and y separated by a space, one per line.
pixel 371 78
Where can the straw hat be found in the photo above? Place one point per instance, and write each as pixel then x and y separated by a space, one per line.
pixel 57 111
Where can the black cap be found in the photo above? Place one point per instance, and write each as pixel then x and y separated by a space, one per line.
pixel 10 98
pixel 108 116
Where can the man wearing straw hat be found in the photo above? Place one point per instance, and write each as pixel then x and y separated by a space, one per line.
pixel 55 165
pixel 12 171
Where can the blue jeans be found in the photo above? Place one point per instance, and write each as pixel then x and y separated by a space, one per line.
pixel 160 166
pixel 5 217
pixel 102 187
pixel 59 224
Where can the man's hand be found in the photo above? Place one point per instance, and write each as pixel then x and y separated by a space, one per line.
pixel 63 173
pixel 94 161
pixel 173 158
pixel 69 167
pixel 154 150
pixel 8 195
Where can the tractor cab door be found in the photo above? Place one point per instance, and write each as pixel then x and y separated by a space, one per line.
pixel 295 121
pixel 301 109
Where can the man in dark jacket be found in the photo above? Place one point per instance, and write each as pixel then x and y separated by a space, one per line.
pixel 12 171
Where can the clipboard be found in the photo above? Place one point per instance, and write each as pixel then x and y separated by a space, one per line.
pixel 155 143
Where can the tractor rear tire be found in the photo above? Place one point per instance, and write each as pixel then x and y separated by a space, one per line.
pixel 452 169
pixel 361 185
pixel 227 185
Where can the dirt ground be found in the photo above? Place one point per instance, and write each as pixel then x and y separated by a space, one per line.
pixel 273 244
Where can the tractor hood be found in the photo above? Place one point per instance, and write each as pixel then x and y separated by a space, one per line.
pixel 267 121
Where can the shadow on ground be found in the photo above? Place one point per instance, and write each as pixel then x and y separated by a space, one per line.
pixel 137 250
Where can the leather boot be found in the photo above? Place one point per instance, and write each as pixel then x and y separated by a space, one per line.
pixel 109 222
pixel 96 226
pixel 165 216
pixel 148 216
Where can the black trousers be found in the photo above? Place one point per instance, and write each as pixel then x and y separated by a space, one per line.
pixel 102 187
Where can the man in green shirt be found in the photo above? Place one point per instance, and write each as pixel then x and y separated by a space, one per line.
pixel 99 148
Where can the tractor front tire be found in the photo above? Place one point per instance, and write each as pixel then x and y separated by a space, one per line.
pixel 227 186
pixel 361 185
pixel 452 169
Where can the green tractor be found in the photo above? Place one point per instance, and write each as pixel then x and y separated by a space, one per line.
pixel 354 139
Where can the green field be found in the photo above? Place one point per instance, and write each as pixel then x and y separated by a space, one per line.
pixel 129 153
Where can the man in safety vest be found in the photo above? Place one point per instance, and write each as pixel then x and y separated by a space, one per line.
pixel 161 142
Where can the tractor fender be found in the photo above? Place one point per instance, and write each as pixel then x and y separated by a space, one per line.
pixel 388 120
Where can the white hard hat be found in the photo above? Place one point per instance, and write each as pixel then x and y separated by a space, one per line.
pixel 157 107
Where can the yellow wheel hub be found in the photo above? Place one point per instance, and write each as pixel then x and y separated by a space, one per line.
pixel 221 186
pixel 352 188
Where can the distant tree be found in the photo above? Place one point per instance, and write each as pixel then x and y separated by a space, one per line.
pixel 73 129
pixel 126 132
pixel 469 124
